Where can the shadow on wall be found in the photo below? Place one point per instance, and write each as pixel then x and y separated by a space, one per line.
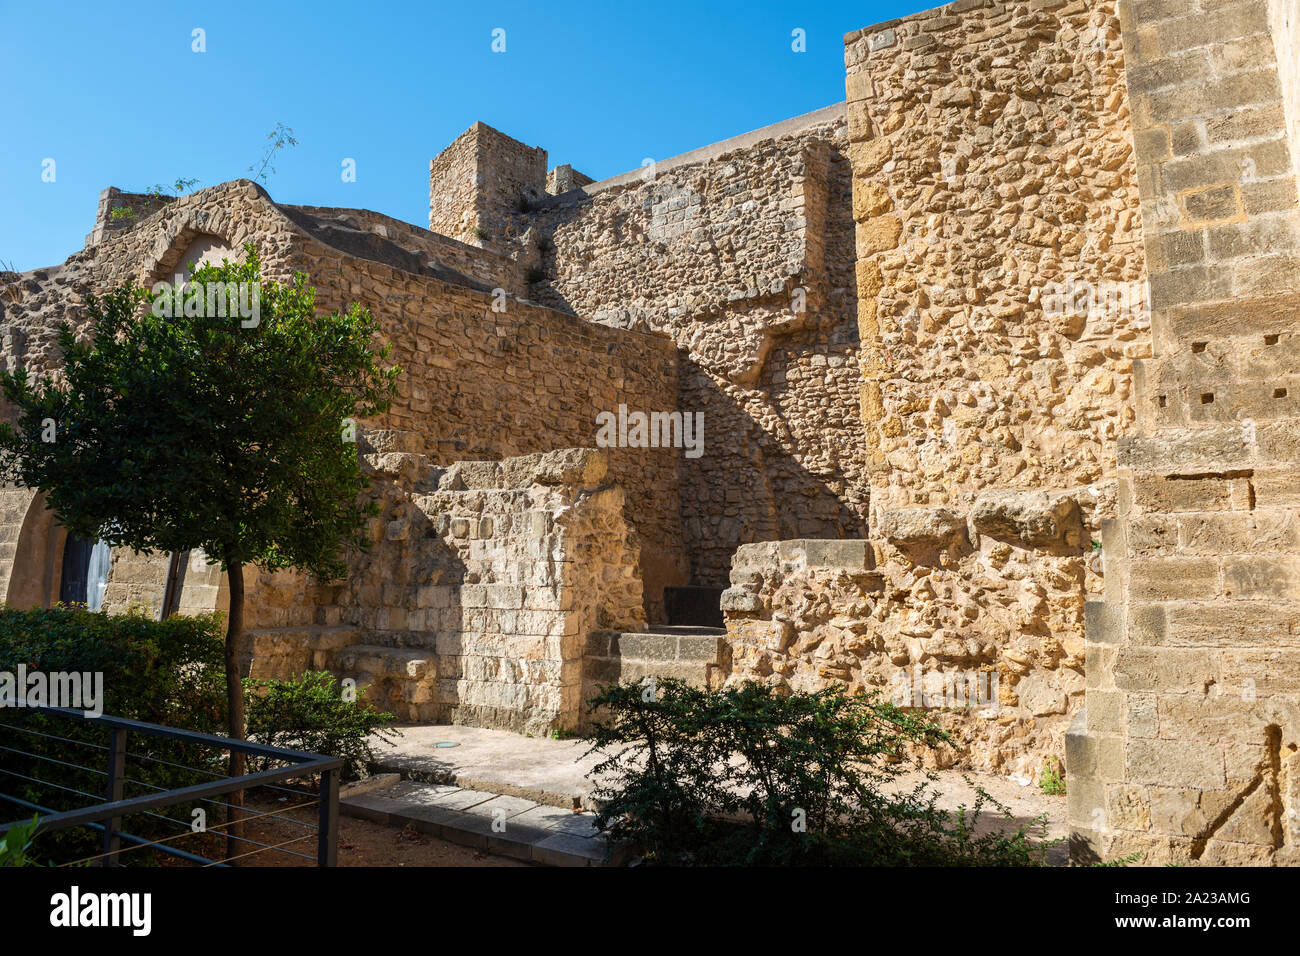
pixel 784 447
pixel 750 485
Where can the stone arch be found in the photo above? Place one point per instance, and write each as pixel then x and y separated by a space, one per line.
pixel 36 565
pixel 191 235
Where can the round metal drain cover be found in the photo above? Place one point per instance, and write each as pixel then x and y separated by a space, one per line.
pixel 447 743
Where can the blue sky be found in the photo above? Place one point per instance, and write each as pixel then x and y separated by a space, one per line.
pixel 114 94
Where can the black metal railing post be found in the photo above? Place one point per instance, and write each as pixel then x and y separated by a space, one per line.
pixel 327 835
pixel 116 775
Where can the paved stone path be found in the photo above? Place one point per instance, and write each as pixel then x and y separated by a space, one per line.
pixel 498 823
pixel 548 774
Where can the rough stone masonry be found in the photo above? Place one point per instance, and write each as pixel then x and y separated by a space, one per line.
pixel 996 371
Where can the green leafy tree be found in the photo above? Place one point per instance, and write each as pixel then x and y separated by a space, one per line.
pixel 222 427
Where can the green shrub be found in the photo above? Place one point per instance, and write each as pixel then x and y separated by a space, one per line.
pixel 1052 780
pixel 746 776
pixel 310 713
pixel 164 672
pixel 15 843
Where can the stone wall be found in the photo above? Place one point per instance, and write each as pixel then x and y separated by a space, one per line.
pixel 1187 748
pixel 479 593
pixel 990 600
pixel 993 178
pixel 1284 21
pixel 1000 306
pixel 741 252
pixel 480 182
pixel 485 374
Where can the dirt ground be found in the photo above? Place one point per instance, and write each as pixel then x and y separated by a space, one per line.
pixel 361 842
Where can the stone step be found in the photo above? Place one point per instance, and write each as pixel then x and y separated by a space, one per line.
pixel 385 661
pixel 495 823
pixel 687 653
pixel 286 651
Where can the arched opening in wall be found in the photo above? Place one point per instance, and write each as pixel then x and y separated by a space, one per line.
pixel 84 572
pixel 196 248
pixel 34 578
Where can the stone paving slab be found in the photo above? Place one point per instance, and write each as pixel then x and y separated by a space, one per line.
pixel 539 769
pixel 498 823
pixel 551 774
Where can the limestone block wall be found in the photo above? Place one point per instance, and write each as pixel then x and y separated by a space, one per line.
pixel 481 587
pixel 1284 24
pixel 741 252
pixel 1187 748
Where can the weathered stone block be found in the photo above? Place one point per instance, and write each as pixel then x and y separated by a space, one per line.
pixel 934 526
pixel 1038 519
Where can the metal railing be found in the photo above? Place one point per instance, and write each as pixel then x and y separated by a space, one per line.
pixel 107 816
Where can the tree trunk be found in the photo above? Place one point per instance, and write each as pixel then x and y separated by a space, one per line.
pixel 235 700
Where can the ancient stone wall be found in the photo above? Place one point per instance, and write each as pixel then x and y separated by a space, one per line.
pixel 477 597
pixel 993 177
pixel 1000 305
pixel 741 252
pixel 340 228
pixel 932 604
pixel 1187 747
pixel 1284 23
pixel 486 375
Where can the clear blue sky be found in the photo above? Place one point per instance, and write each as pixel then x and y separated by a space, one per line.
pixel 113 93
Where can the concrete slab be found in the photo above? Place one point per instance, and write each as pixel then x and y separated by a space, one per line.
pixel 566 849
pixel 475 818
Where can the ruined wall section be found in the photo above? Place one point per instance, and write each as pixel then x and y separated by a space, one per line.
pixel 479 184
pixel 152 246
pixel 1187 748
pixel 742 254
pixel 490 376
pixel 434 251
pixel 486 375
pixel 476 599
pixel 992 167
pixel 1000 306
